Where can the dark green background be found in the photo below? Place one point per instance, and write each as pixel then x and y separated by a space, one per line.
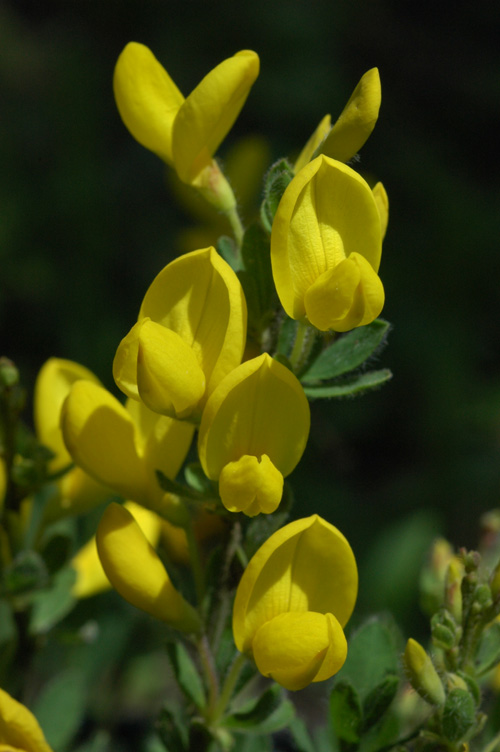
pixel 87 221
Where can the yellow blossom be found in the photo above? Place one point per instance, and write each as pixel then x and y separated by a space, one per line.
pixel 123 446
pixel 253 432
pixel 190 333
pixel 352 128
pixel 19 729
pixel 136 572
pixel 293 600
pixel 326 244
pixel 185 133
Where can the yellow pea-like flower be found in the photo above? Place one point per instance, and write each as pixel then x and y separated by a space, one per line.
pixel 185 133
pixel 19 729
pixel 136 572
pixel 123 446
pixel 326 244
pixel 293 601
pixel 253 432
pixel 352 128
pixel 190 333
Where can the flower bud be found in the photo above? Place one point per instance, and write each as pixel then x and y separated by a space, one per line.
pixel 422 674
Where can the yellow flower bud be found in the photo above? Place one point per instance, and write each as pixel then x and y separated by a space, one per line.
pixel 136 572
pixel 326 244
pixel 357 119
pixel 453 589
pixel 422 674
pixel 185 133
pixel 19 729
pixel 294 598
pixel 253 432
pixel 191 332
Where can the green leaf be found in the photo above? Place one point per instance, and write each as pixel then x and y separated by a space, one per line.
pixel 348 352
pixel 277 180
pixel 173 728
pixel 256 256
pixel 488 652
pixel 197 480
pixel 378 700
pixel 345 712
pixel 303 741
pixel 227 249
pixel 26 573
pixel 269 714
pixel 61 708
pixel 459 714
pixel 373 654
pixel 186 673
pixel 52 605
pixel 350 386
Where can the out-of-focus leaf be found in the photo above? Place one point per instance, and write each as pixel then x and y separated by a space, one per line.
pixel 488 652
pixel 8 634
pixel 186 674
pixel 345 712
pixel 52 605
pixel 269 714
pixel 61 707
pixel 378 700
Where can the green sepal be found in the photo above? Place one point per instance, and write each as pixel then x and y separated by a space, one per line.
pixel 198 481
pixel 459 714
pixel 186 673
pixel 226 248
pixel 54 603
pixel 277 180
pixel 61 707
pixel 346 715
pixel 378 700
pixel 348 352
pixel 488 650
pixel 349 386
pixel 271 713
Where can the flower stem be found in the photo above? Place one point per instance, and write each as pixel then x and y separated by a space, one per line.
pixel 228 686
pixel 194 555
pixel 304 341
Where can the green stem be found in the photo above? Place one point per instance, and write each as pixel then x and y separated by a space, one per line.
pixel 228 687
pixel 304 341
pixel 237 228
pixel 494 744
pixel 194 555
pixel 208 665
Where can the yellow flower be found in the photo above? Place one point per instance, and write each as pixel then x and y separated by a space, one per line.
pixel 123 446
pixel 136 572
pixel 190 333
pixel 19 729
pixel 326 244
pixel 76 490
pixel 185 133
pixel 295 596
pixel 352 128
pixel 253 432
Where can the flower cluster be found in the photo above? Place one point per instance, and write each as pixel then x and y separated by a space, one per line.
pixel 214 359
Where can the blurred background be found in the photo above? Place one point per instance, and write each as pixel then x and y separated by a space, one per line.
pixel 88 217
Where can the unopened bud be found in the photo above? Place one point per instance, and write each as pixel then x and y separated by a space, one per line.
pixel 495 581
pixel 483 596
pixel 9 375
pixel 422 674
pixel 453 589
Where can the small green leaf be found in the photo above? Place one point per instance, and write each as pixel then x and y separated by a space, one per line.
pixel 197 480
pixel 52 605
pixel 345 712
pixel 277 180
pixel 488 652
pixel 378 700
pixel 268 715
pixel 186 673
pixel 348 352
pixel 373 654
pixel 459 714
pixel 350 386
pixel 227 249
pixel 303 741
pixel 27 572
pixel 61 708
pixel 172 728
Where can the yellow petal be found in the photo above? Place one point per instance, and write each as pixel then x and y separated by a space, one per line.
pixel 19 729
pixel 357 120
pixel 251 485
pixel 125 362
pixel 317 137
pixel 382 201
pixel 52 386
pixel 327 212
pixel 307 565
pixel 169 379
pixel 136 572
pixel 209 112
pixel 349 295
pixel 199 297
pixel 103 440
pixel 260 408
pixel 90 576
pixel 147 99
pixel 77 493
pixel 296 649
